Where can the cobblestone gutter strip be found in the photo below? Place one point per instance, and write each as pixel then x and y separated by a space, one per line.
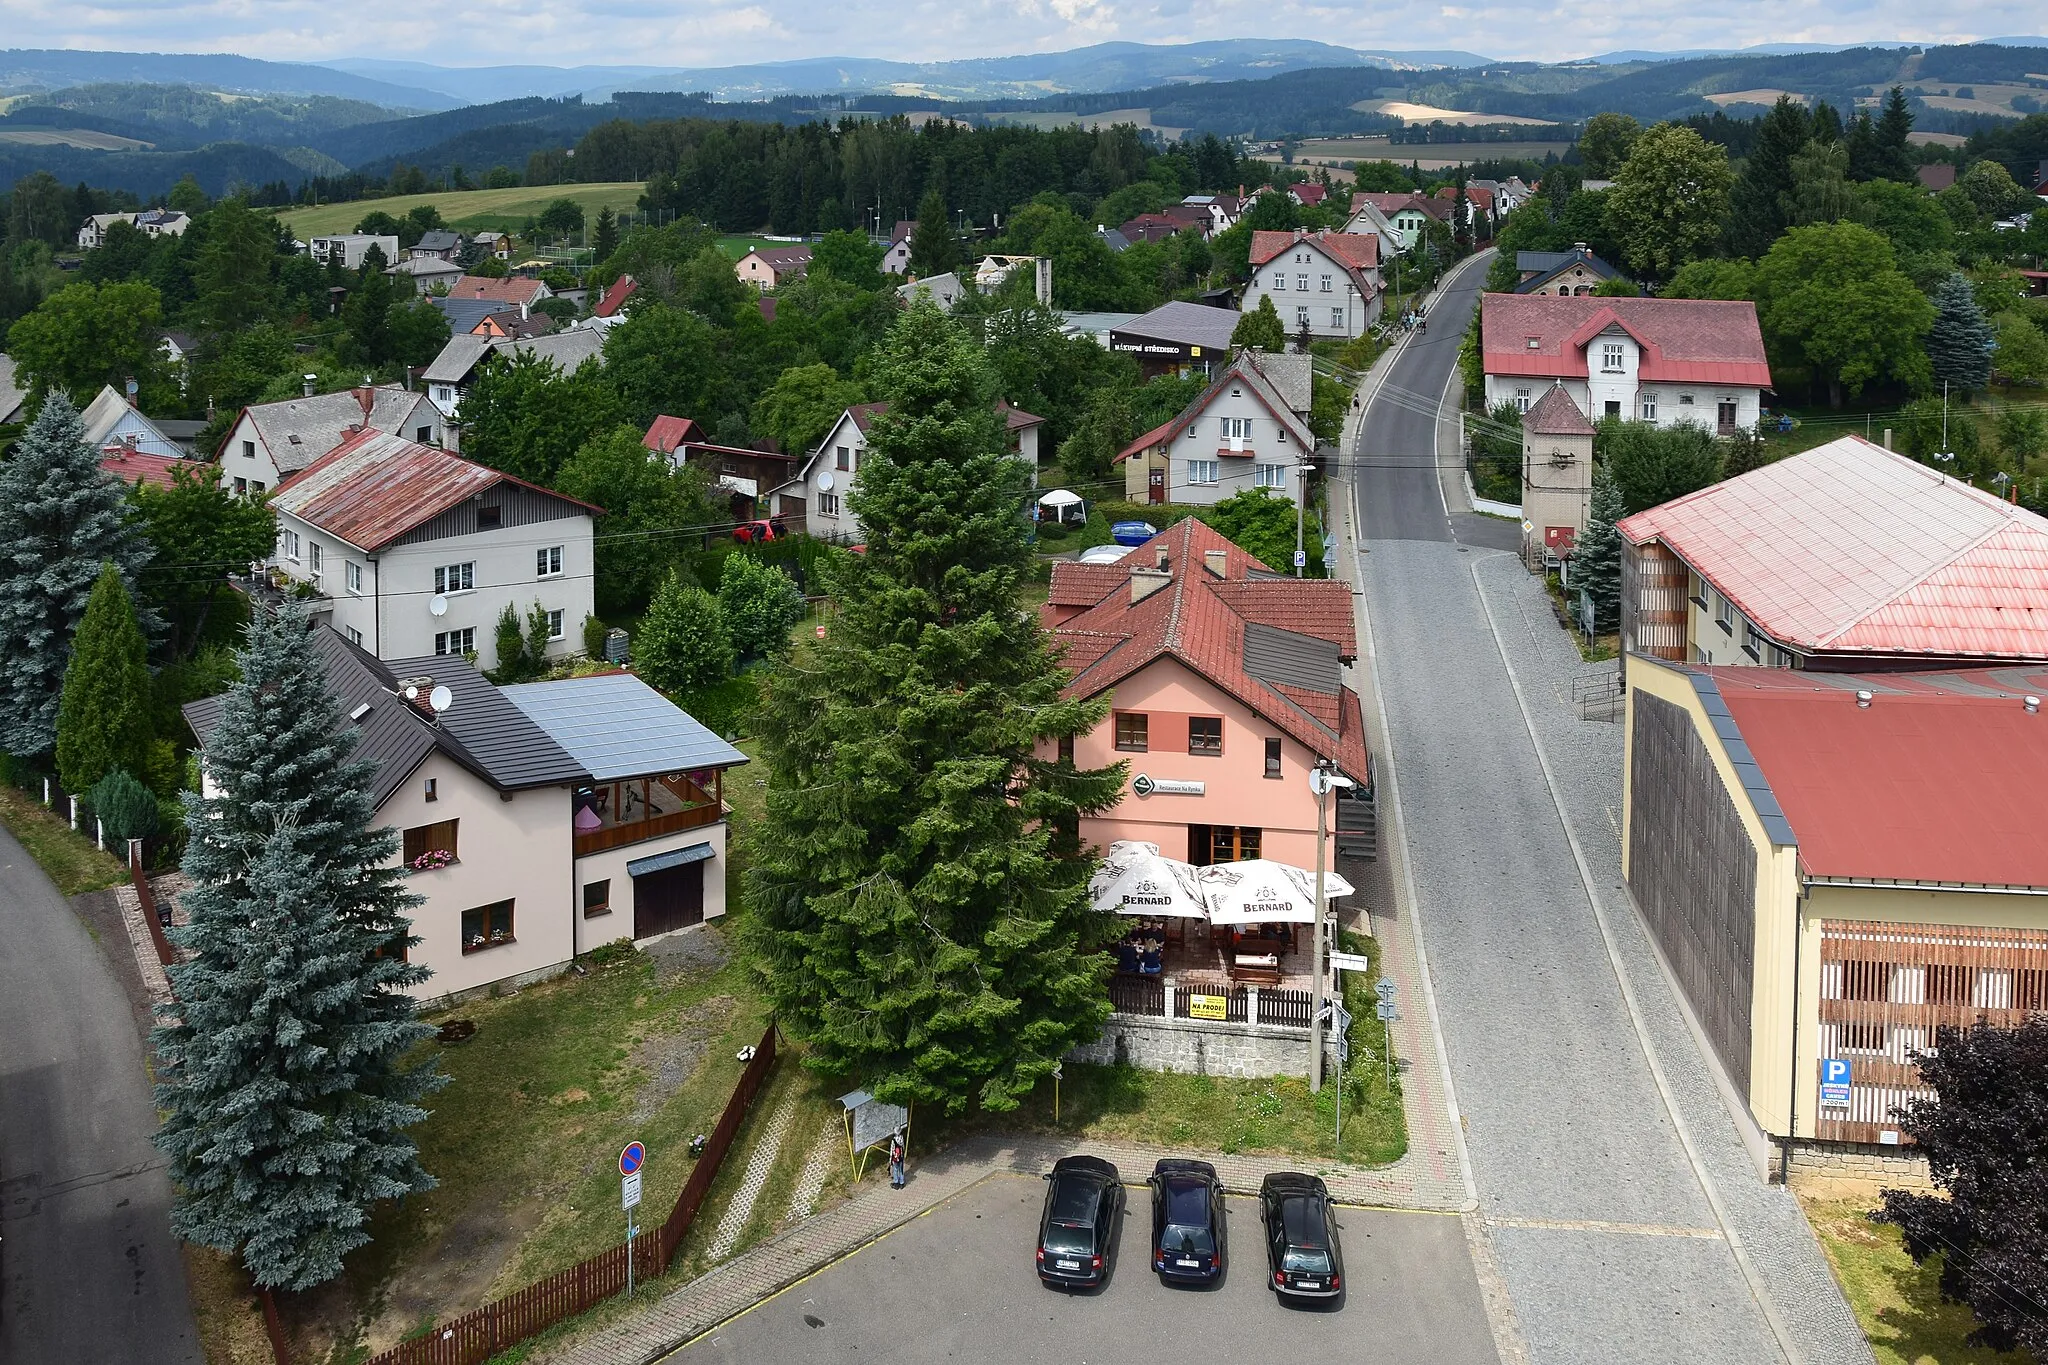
pixel 153 979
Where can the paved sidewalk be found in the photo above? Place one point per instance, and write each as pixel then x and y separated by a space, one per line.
pixel 696 1307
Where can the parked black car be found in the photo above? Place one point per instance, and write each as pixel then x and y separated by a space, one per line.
pixel 1301 1236
pixel 1190 1239
pixel 1083 1199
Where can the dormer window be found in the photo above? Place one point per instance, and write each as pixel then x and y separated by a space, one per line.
pixel 1535 343
pixel 1610 357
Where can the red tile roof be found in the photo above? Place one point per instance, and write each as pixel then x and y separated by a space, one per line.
pixel 666 433
pixel 1391 204
pixel 139 466
pixel 1355 251
pixel 1696 341
pixel 1474 194
pixel 615 297
pixel 1849 548
pixel 373 488
pixel 512 289
pixel 1307 193
pixel 1555 414
pixel 1200 621
pixel 1920 786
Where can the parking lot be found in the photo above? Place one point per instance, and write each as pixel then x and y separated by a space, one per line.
pixel 958 1284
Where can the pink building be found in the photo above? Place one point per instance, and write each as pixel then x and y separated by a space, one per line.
pixel 1226 686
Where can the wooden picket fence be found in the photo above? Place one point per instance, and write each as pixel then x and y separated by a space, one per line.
pixel 476 1337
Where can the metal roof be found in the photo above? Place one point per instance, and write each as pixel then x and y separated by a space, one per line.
pixel 1683 341
pixel 1188 324
pixel 1849 548
pixel 484 726
pixel 617 726
pixel 298 431
pixel 1924 786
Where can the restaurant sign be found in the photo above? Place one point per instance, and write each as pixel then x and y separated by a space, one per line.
pixel 1165 786
pixel 1148 892
pixel 1208 1007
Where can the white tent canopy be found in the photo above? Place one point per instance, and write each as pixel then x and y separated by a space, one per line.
pixel 1135 878
pixel 1060 497
pixel 1261 891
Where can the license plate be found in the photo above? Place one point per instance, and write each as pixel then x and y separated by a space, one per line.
pixel 1308 1284
pixel 1069 1265
pixel 1192 1265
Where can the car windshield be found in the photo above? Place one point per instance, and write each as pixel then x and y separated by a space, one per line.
pixel 1308 1260
pixel 1186 1241
pixel 1069 1237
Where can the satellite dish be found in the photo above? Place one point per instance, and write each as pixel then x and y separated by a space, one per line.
pixel 411 693
pixel 438 604
pixel 825 481
pixel 440 699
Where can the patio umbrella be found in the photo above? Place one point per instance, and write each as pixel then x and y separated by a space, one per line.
pixel 1261 891
pixel 1136 879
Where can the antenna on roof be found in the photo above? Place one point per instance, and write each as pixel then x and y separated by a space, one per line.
pixel 440 699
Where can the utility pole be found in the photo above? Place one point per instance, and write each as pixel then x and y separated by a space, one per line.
pixel 1322 780
pixel 1300 501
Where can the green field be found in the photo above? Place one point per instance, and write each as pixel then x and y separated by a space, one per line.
pixel 503 210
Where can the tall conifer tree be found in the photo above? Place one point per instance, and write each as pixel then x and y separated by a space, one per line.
pixel 1757 212
pixel 280 1063
pixel 1961 342
pixel 919 885
pixel 1596 562
pixel 103 712
pixel 61 518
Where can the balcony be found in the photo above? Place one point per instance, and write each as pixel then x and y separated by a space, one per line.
pixel 635 809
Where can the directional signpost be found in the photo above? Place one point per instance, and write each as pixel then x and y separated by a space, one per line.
pixel 1388 1012
pixel 630 1161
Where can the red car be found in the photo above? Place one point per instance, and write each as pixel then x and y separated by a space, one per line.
pixel 754 532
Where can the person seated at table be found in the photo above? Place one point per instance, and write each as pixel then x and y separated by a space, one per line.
pixel 1149 963
pixel 1127 957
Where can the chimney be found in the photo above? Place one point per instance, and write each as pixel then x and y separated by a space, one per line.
pixel 366 398
pixel 1863 699
pixel 1215 561
pixel 1044 281
pixel 1163 558
pixel 415 692
pixel 1145 582
pixel 131 443
pixel 307 382
pixel 2033 705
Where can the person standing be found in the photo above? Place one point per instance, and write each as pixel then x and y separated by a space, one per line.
pixel 896 1154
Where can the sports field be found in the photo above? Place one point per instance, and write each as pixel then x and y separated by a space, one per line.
pixel 503 210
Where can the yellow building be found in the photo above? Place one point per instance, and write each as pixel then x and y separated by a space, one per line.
pixel 1835 865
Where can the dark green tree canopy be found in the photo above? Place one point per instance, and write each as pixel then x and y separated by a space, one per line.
pixel 103 716
pixel 1961 341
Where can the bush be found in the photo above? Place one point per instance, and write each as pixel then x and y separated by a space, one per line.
pixel 760 604
pixel 593 637
pixel 683 642
pixel 125 808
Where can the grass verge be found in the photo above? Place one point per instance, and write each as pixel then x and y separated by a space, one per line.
pixel 1897 1303
pixel 69 859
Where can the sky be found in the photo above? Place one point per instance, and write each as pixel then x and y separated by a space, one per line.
pixel 697 33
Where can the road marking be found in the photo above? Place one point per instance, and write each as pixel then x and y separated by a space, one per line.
pixel 1787 1347
pixel 1596 1225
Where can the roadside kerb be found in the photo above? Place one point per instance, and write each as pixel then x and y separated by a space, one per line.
pixel 795 1255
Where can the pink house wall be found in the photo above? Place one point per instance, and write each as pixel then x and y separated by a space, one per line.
pixel 1236 790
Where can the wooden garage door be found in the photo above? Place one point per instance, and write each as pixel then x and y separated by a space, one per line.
pixel 668 899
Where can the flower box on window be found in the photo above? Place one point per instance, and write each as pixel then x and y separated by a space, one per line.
pixel 433 860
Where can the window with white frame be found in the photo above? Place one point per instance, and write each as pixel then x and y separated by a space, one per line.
pixel 1522 400
pixel 1610 357
pixel 828 504
pixel 288 542
pixel 1649 406
pixel 355 637
pixel 547 563
pixel 455 641
pixel 1237 428
pixel 1301 317
pixel 455 577
pixel 1204 471
pixel 1326 284
pixel 313 558
pixel 555 624
pixel 352 576
pixel 1272 476
pixel 1280 281
pixel 1301 283
pixel 1337 318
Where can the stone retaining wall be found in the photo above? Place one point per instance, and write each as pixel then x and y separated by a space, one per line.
pixel 1200 1047
pixel 1860 1165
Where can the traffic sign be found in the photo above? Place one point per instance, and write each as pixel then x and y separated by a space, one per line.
pixel 1351 962
pixel 632 1158
pixel 629 1191
pixel 1301 559
pixel 1385 987
pixel 1834 1082
pixel 1386 1009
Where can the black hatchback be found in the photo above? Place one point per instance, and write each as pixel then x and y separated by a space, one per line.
pixel 1190 1239
pixel 1083 1199
pixel 1301 1236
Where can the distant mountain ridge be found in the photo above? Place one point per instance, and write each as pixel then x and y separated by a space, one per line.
pixel 57 68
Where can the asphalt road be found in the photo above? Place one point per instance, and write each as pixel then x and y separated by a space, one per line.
pixel 1600 1220
pixel 89 1272
pixel 958 1284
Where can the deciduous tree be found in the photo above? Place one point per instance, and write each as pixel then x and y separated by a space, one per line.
pixel 1670 199
pixel 1652 464
pixel 801 406
pixel 525 417
pixel 1832 300
pixel 1260 329
pixel 199 533
pixel 62 520
pixel 86 336
pixel 1263 525
pixel 760 604
pixel 683 642
pixel 1605 142
pixel 920 891
pixel 652 514
pixel 281 1066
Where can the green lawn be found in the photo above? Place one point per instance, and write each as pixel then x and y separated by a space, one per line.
pixel 69 859
pixel 476 209
pixel 737 247
pixel 1898 1303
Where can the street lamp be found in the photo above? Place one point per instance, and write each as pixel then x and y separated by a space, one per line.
pixel 1323 779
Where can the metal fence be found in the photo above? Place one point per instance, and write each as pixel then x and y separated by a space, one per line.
pixel 152 915
pixel 476 1337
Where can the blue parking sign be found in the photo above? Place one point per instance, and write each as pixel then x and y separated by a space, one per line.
pixel 1834 1082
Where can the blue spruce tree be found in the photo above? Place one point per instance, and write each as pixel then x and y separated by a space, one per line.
pixel 1961 342
pixel 61 519
pixel 281 1063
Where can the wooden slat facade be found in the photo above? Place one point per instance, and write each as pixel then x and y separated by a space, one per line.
pixel 1885 989
pixel 1653 602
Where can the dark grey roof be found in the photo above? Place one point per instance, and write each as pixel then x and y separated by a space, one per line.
pixel 1548 264
pixel 481 731
pixel 440 239
pixel 1113 239
pixel 1189 324
pixel 617 726
pixel 463 314
pixel 1284 656
pixel 298 431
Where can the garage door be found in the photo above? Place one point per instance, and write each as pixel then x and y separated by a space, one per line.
pixel 667 897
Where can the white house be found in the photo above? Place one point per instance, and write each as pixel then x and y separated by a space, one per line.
pixel 347 249
pixel 896 260
pixel 820 488
pixel 1396 219
pixel 1652 360
pixel 425 274
pixel 417 551
pixel 454 370
pixel 1223 209
pixel 92 233
pixel 1248 429
pixel 1325 282
pixel 111 420
pixel 270 442
pixel 538 822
